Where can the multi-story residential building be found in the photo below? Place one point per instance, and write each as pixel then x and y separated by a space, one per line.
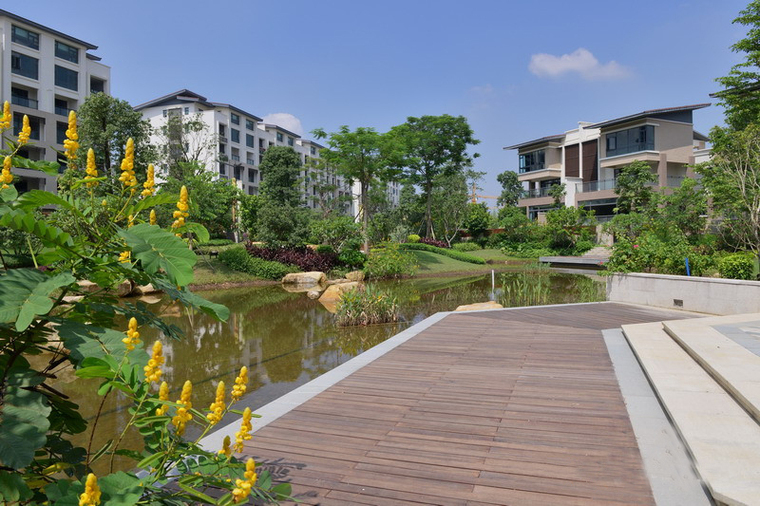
pixel 239 140
pixel 588 159
pixel 44 74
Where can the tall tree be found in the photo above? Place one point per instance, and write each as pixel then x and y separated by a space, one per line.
pixel 434 145
pixel 325 191
pixel 361 155
pixel 281 175
pixel 741 93
pixel 182 140
pixel 450 203
pixel 633 187
pixel 511 189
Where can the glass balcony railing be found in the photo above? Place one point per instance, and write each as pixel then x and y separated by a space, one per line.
pixel 595 186
pixel 536 193
pixel 532 168
pixel 62 111
pixel 235 158
pixel 25 102
pixel 250 161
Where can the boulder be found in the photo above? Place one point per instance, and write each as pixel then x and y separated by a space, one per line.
pixel 124 288
pixel 300 288
pixel 331 282
pixel 305 278
pixel 144 290
pixel 332 294
pixel 88 286
pixel 71 299
pixel 355 276
pixel 480 305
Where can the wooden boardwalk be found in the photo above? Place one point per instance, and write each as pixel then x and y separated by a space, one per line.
pixel 501 407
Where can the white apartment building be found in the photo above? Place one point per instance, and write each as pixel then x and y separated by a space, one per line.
pixel 240 141
pixel 44 74
pixel 588 159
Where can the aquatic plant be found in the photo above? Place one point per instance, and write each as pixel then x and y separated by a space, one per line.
pixel 366 306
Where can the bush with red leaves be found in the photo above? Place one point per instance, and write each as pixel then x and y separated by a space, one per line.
pixel 304 258
pixel 433 242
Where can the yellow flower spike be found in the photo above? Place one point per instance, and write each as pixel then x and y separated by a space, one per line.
pixel 163 394
pixel 149 183
pixel 182 207
pixel 226 449
pixel 130 221
pixel 91 170
pixel 133 336
pixel 183 411
pixel 70 143
pixel 244 434
pixel 241 384
pixel 127 177
pixel 26 131
pixel 152 217
pixel 217 407
pixel 6 177
pixel 91 494
pixel 243 487
pixel 125 257
pixel 5 121
pixel 153 369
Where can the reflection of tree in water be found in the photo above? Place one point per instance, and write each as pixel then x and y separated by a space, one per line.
pixel 352 341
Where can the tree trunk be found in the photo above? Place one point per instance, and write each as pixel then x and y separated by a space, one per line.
pixel 428 218
pixel 365 216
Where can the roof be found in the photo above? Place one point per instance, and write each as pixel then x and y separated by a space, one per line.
pixel 651 112
pixel 278 127
pixel 698 136
pixel 549 138
pixel 182 95
pixel 313 143
pixel 38 26
pixel 244 113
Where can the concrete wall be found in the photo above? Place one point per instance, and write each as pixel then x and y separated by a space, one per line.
pixel 703 295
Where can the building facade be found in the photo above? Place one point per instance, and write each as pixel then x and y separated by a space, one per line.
pixel 588 159
pixel 45 74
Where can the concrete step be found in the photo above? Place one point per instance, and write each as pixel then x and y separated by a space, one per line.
pixel 722 438
pixel 709 341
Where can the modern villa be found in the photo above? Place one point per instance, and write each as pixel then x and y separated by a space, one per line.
pixel 588 159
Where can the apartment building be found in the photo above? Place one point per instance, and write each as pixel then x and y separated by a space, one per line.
pixel 588 159
pixel 239 141
pixel 45 74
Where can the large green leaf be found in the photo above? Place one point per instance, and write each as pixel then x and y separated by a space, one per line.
pixel 200 232
pixel 50 168
pixel 121 489
pixel 90 341
pixel 156 249
pixel 190 299
pixel 147 203
pixel 13 489
pixel 38 198
pixel 25 293
pixel 8 194
pixel 25 221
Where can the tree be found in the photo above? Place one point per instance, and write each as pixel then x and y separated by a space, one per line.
pixel 633 187
pixel 105 123
pixel 449 202
pixel 741 93
pixel 732 180
pixel 281 173
pixel 511 189
pixel 567 225
pixel 557 191
pixel 325 190
pixel 434 145
pixel 361 155
pixel 184 139
pixel 477 221
pixel 685 209
pixel 411 209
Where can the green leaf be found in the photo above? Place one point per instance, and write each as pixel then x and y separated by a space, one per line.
pixel 120 489
pixel 13 488
pixel 85 341
pixel 25 221
pixel 200 232
pixel 190 299
pixel 23 421
pixel 25 293
pixel 156 249
pixel 198 495
pixel 150 460
pixel 38 198
pixel 64 492
pixel 282 491
pixel 49 168
pixel 95 371
pixel 156 200
pixel 8 194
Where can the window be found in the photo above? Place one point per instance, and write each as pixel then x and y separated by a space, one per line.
pixel 222 130
pixel 235 135
pixel 221 168
pixel 631 140
pixel 62 107
pixel 97 85
pixel 534 160
pixel 34 123
pixel 20 96
pixel 249 124
pixel 251 176
pixel 187 110
pixel 313 150
pixel 66 78
pixel 166 112
pixel 24 65
pixel 66 52
pixel 25 37
pixel 290 141
pixel 222 149
pixel 60 132
pixel 249 140
pixel 235 118
pixel 279 137
pixel 252 191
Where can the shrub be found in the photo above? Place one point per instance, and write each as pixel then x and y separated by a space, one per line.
pixel 324 249
pixel 217 242
pixel 527 250
pixel 664 254
pixel 304 258
pixel 737 266
pixel 456 255
pixel 434 242
pixel 366 306
pixel 239 260
pixel 337 232
pixel 389 261
pixel 413 238
pixel 466 246
pixel 352 258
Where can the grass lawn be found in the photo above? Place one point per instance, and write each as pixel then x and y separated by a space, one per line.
pixel 212 271
pixel 433 263
pixel 491 254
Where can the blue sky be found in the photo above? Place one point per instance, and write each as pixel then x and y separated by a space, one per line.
pixel 500 63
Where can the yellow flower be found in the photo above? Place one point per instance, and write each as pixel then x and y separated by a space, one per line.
pixel 6 178
pixel 127 177
pixel 163 394
pixel 124 257
pixel 226 450
pixel 244 434
pixel 241 383
pixel 183 411
pixel 152 217
pixel 104 203
pixel 130 221
pixel 5 121
pixel 153 369
pixel 217 407
pixel 181 213
pixel 243 487
pixel 70 144
pixel 133 336
pixel 91 494
pixel 150 182
pixel 91 170
pixel 26 131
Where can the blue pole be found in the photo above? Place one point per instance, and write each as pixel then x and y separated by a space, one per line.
pixel 688 270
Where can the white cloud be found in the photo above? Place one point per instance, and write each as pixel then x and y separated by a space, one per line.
pixel 486 89
pixel 580 61
pixel 286 121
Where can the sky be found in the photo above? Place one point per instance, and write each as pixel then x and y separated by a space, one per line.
pixel 517 70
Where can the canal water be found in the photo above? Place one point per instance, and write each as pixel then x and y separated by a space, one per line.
pixel 286 339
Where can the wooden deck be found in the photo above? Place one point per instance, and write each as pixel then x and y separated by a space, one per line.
pixel 500 407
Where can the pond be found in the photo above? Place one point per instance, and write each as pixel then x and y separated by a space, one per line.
pixel 286 339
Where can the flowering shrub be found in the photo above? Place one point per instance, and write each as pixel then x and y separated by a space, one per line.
pixel 304 258
pixel 389 261
pixel 366 306
pixel 238 259
pixel 433 242
pixel 107 242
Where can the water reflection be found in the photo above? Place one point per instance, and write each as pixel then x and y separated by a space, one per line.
pixel 287 339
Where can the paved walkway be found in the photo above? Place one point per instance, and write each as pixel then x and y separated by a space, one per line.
pixel 497 407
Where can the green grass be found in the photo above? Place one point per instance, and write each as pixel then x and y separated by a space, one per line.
pixel 490 254
pixel 433 263
pixel 212 271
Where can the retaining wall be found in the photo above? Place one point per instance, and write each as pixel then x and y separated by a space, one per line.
pixel 691 293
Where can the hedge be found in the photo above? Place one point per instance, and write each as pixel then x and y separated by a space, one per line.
pixel 456 255
pixel 238 259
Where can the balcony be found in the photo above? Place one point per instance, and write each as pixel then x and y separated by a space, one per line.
pixel 62 111
pixel 537 193
pixel 250 161
pixel 235 158
pixel 25 102
pixel 222 138
pixel 595 186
